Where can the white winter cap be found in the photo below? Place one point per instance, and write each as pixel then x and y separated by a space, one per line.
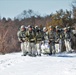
pixel 57 27
pixel 29 26
pixel 36 26
pixel 22 26
pixel 44 28
pixel 65 28
pixel 68 27
pixel 50 27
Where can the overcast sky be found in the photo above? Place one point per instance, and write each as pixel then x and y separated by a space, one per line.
pixel 11 8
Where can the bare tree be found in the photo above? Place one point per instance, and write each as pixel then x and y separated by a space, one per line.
pixel 30 12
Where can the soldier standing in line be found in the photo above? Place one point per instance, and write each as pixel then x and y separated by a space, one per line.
pixel 22 38
pixel 52 40
pixel 39 36
pixel 45 43
pixel 31 37
pixel 67 36
pixel 57 39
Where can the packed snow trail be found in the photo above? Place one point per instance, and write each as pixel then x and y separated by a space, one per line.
pixel 60 64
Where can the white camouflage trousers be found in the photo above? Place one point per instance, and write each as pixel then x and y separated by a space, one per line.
pixel 38 47
pixel 32 48
pixel 24 47
pixel 68 45
pixel 57 48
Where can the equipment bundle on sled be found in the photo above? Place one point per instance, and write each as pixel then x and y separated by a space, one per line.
pixel 45 47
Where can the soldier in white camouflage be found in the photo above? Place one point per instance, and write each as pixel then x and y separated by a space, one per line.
pixel 68 35
pixel 31 37
pixel 52 40
pixel 39 36
pixel 57 39
pixel 22 38
pixel 45 42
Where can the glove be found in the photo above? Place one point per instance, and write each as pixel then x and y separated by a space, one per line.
pixel 21 40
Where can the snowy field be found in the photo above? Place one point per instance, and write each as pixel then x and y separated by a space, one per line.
pixel 59 64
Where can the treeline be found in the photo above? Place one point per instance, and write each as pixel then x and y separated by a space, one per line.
pixel 8 27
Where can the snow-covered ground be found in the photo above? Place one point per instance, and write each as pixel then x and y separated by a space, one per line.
pixel 60 64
